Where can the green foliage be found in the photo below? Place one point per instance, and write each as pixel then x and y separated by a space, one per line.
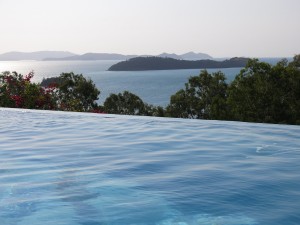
pixel 125 103
pixel 72 93
pixel 204 97
pixel 265 93
pixel 157 111
pixel 260 93
pixel 296 61
pixel 76 93
pixel 50 81
pixel 17 91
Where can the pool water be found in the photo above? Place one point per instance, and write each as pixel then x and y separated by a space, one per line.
pixel 59 168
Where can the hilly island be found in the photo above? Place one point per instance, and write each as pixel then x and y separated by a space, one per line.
pixel 159 63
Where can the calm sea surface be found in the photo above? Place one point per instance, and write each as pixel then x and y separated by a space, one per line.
pixel 59 168
pixel 154 87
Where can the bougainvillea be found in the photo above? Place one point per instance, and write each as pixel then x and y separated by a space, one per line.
pixel 17 91
pixel 72 93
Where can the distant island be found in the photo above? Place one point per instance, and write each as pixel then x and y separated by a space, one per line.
pixel 68 56
pixel 93 56
pixel 159 63
pixel 186 56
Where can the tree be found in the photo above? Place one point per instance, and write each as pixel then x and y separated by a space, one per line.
pixel 17 91
pixel 50 81
pixel 125 103
pixel 265 93
pixel 292 86
pixel 296 61
pixel 204 97
pixel 76 93
pixel 151 110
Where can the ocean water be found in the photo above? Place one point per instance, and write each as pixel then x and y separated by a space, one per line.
pixel 154 87
pixel 62 168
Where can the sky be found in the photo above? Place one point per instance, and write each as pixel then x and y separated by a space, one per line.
pixel 220 28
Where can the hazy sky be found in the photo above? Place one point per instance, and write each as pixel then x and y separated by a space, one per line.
pixel 254 28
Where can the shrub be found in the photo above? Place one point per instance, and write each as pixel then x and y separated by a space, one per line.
pixel 17 91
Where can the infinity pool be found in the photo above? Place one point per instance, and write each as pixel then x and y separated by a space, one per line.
pixel 59 168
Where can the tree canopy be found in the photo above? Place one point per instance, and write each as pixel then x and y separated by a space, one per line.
pixel 204 97
pixel 17 91
pixel 77 93
pixel 259 93
pixel 72 92
pixel 124 103
pixel 265 93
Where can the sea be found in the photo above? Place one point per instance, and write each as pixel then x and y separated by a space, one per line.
pixel 67 168
pixel 153 87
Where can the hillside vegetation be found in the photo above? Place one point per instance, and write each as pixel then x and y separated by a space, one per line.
pixel 259 93
pixel 158 63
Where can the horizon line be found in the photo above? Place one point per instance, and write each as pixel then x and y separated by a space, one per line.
pixel 163 52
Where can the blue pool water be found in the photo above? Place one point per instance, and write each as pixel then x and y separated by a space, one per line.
pixel 59 168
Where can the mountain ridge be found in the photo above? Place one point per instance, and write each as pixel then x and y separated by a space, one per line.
pixel 94 56
pixel 67 56
pixel 186 56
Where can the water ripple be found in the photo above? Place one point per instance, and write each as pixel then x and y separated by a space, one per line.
pixel 90 169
